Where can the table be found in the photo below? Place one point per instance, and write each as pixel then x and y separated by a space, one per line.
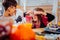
pixel 37 36
pixel 38 30
pixel 46 37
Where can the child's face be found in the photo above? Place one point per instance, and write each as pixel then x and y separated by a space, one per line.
pixel 36 22
pixel 11 9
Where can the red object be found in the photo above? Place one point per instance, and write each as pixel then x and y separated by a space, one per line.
pixel 28 18
pixel 44 19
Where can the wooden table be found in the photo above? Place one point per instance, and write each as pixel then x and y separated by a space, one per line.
pixel 38 30
pixel 37 36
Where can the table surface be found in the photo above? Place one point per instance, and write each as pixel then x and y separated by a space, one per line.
pixel 38 30
pixel 39 37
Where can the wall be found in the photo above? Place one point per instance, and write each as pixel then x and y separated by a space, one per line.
pixel 37 2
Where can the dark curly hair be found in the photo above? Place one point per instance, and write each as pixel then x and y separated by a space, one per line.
pixel 7 4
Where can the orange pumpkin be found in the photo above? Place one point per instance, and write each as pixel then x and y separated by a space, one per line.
pixel 24 32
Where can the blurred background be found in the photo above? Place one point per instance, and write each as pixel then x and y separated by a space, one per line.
pixel 50 6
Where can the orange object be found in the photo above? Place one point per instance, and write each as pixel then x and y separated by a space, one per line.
pixel 59 23
pixel 24 32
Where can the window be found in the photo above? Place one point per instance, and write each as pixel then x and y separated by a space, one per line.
pixel 0 4
pixel 0 7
